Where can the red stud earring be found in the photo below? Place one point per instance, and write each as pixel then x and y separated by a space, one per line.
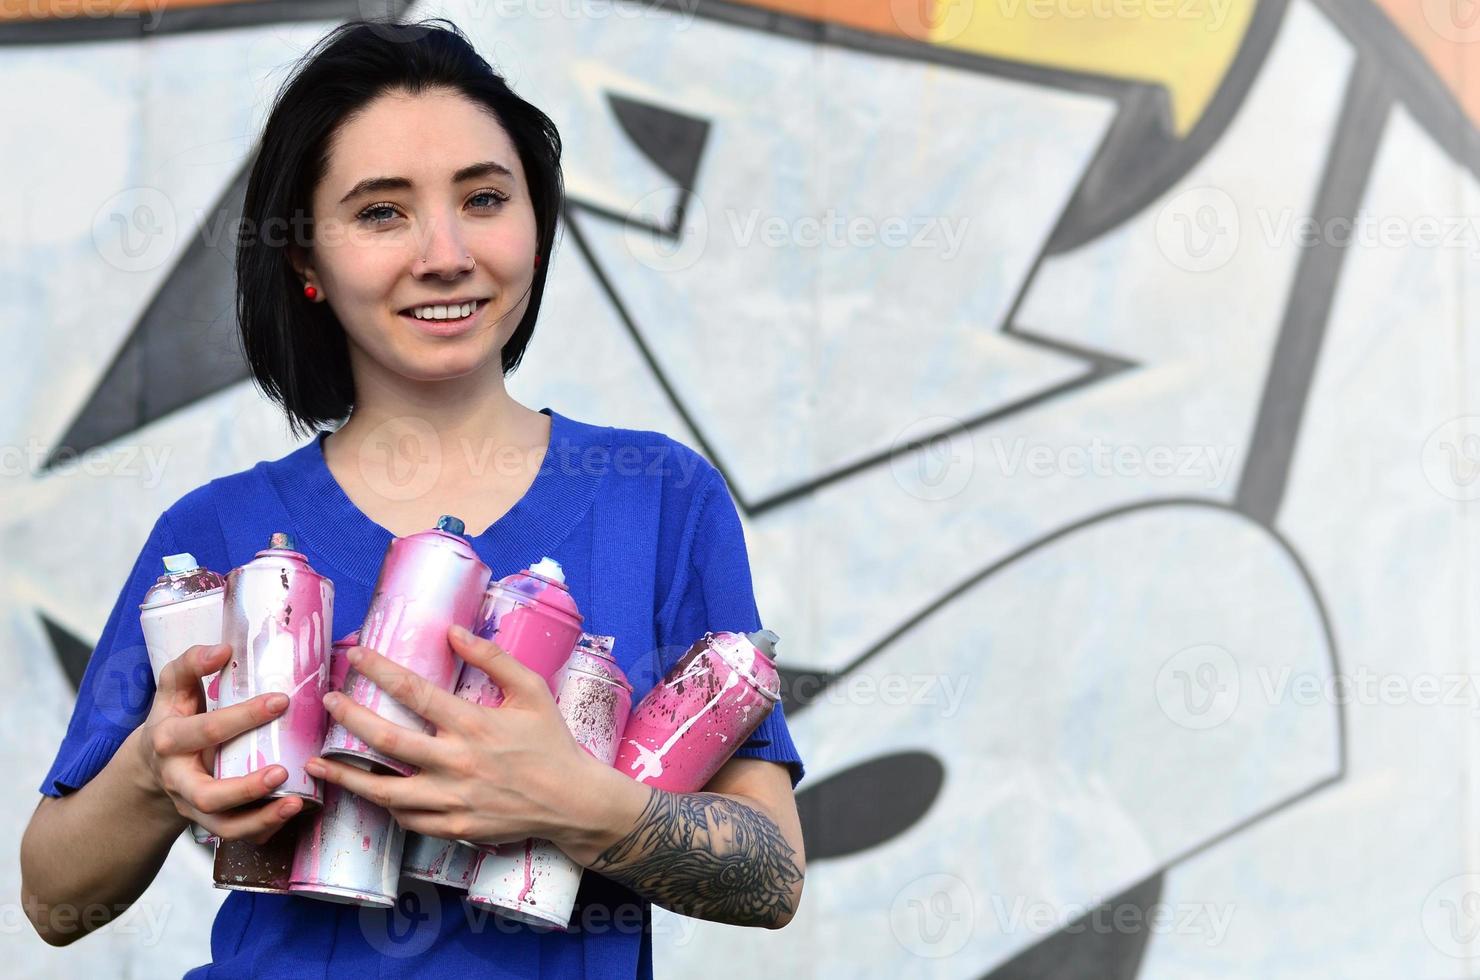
pixel 309 291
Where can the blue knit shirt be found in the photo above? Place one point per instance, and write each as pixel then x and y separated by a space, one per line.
pixel 650 541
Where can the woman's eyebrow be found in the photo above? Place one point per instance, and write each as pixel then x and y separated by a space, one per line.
pixel 489 168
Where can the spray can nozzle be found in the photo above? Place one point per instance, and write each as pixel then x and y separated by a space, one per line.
pixel 765 641
pixel 450 524
pixel 183 562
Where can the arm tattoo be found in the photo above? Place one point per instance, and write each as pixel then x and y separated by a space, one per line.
pixel 707 856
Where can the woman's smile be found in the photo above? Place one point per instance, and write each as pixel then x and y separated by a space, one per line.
pixel 439 327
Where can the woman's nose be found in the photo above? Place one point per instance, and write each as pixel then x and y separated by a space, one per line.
pixel 445 252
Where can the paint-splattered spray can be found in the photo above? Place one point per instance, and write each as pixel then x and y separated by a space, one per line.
pixel 428 582
pixel 351 850
pixel 278 616
pixel 533 881
pixel 443 862
pixel 533 618
pixel 182 609
pixel 709 703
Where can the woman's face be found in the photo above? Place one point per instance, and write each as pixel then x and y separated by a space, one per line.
pixel 429 236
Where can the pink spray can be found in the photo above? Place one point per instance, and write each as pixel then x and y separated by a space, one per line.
pixel 709 703
pixel 428 582
pixel 278 616
pixel 351 850
pixel 533 618
pixel 533 881
pixel 183 609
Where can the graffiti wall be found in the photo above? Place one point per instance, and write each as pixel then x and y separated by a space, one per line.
pixel 1108 452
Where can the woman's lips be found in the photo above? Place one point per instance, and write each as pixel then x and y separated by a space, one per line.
pixel 447 328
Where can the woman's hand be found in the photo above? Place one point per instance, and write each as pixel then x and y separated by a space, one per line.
pixel 179 732
pixel 488 775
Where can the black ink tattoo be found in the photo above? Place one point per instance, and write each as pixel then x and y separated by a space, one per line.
pixel 707 856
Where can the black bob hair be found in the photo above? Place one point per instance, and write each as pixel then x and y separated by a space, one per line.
pixel 297 349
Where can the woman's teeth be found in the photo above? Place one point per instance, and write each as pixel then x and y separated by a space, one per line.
pixel 444 312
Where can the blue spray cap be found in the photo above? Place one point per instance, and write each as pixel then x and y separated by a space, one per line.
pixel 183 562
pixel 450 524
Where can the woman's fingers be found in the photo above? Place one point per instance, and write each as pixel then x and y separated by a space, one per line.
pixel 184 673
pixel 437 706
pixel 256 824
pixel 213 796
pixel 192 733
pixel 410 792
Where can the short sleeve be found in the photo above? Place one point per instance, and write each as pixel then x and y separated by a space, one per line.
pixel 118 686
pixel 713 592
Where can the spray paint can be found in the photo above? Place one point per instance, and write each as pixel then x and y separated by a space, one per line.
pixel 278 616
pixel 182 609
pixel 533 618
pixel 442 862
pixel 533 881
pixel 351 850
pixel 243 866
pixel 708 704
pixel 428 582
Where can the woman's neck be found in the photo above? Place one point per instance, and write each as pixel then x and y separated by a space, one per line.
pixel 470 426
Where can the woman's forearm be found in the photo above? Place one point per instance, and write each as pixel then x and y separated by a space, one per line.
pixel 87 856
pixel 707 855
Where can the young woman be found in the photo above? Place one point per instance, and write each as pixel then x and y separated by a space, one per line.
pixel 397 227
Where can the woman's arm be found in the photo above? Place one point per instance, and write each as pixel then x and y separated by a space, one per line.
pixel 87 856
pixel 732 853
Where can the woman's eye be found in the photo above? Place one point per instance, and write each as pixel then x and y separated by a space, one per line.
pixel 366 214
pixel 496 197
